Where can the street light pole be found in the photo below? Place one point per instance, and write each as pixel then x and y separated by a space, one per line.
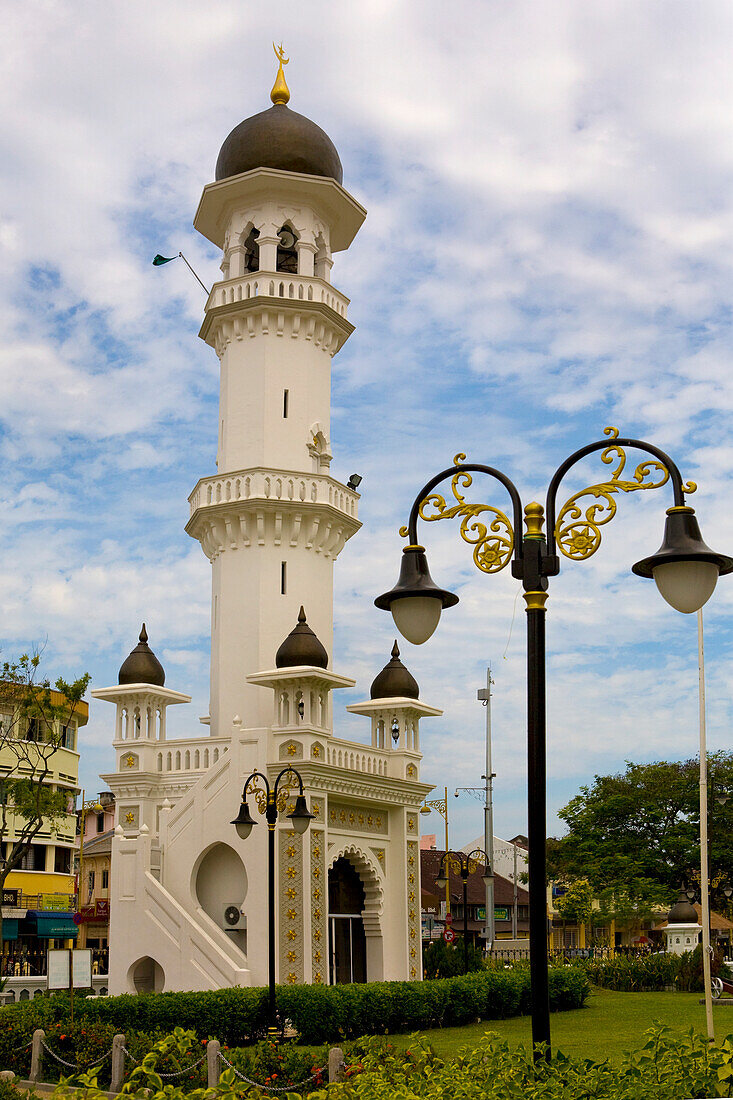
pixel 484 696
pixel 684 569
pixel 271 802
pixel 440 805
pixel 464 865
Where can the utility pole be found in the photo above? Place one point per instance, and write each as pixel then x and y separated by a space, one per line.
pixel 484 696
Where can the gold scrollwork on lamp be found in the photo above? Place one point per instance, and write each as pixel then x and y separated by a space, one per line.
pixel 492 541
pixel 259 794
pixel 578 532
pixel 288 779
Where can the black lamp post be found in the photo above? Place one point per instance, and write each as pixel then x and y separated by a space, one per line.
pixel 272 801
pixel 464 865
pixel 684 568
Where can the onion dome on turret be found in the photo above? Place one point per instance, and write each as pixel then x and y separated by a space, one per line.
pixel 395 681
pixel 141 666
pixel 682 912
pixel 279 138
pixel 301 647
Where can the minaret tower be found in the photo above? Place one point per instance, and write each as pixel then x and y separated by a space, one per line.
pixel 272 520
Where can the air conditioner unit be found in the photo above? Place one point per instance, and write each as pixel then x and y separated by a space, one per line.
pixel 233 919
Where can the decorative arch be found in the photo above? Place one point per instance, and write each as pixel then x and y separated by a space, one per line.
pixel 372 880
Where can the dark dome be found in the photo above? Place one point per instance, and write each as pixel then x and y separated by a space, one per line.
pixel 394 681
pixel 682 912
pixel 279 138
pixel 301 647
pixel 142 666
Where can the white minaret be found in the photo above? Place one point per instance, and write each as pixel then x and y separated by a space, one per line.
pixel 272 520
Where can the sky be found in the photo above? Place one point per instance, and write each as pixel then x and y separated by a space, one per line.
pixel 547 252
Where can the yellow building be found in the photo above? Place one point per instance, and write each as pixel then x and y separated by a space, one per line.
pixel 38 897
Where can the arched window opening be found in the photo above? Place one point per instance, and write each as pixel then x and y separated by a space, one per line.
pixel 252 251
pixel 287 253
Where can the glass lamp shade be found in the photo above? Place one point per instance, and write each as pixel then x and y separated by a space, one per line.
pixel 487 876
pixel 686 585
pixel 301 816
pixel 441 881
pixel 684 568
pixel 416 617
pixel 425 810
pixel 244 821
pixel 415 601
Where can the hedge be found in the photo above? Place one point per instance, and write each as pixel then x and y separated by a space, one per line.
pixel 649 973
pixel 319 1013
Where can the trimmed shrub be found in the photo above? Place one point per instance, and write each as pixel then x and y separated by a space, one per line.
pixel 319 1013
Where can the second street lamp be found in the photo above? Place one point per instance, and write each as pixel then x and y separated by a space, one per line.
pixel 272 801
pixel 464 865
pixel 684 569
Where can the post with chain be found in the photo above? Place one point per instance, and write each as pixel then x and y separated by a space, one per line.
pixel 335 1065
pixel 213 1064
pixel 118 1063
pixel 37 1054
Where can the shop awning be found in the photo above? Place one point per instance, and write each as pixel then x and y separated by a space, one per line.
pixel 10 929
pixel 51 926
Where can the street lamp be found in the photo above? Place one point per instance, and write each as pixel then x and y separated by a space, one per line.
pixel 464 865
pixel 440 805
pixel 684 568
pixel 92 805
pixel 272 801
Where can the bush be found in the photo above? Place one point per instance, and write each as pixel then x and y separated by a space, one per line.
pixel 667 1067
pixel 649 973
pixel 446 960
pixel 319 1013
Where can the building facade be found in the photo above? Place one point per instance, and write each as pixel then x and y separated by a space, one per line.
pixel 39 896
pixel 271 520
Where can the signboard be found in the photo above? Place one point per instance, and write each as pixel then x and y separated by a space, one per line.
pixel 101 909
pixel 58 969
pixel 66 963
pixel 55 903
pixel 449 935
pixel 501 912
pixel 81 967
pixel 481 912
pixel 10 897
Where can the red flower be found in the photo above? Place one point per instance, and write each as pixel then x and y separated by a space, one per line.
pixel 62 1036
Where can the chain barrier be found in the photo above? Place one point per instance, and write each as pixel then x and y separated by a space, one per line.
pixel 271 1088
pixel 186 1069
pixel 17 1050
pixel 73 1065
pixel 177 1073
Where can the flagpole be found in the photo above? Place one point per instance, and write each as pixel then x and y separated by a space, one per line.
pixel 193 273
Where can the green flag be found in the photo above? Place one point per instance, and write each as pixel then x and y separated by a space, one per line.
pixel 158 260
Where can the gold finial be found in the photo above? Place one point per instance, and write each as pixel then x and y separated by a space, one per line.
pixel 534 519
pixel 280 92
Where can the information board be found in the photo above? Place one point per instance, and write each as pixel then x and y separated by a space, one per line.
pixel 81 967
pixel 58 969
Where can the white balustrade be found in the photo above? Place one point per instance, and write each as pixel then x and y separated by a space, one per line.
pixel 285 485
pixel 263 284
pixel 347 755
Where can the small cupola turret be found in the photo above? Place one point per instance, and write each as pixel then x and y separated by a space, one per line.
pixel 301 647
pixel 395 681
pixel 141 666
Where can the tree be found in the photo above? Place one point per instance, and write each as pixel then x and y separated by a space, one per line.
pixel 635 836
pixel 576 904
pixel 33 727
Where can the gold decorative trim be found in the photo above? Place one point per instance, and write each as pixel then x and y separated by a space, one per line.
pixel 535 601
pixel 291 906
pixel 578 532
pixel 493 541
pixel 413 913
pixel 534 520
pixel 280 92
pixel 319 892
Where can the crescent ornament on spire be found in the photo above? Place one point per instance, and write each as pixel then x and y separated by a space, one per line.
pixel 280 92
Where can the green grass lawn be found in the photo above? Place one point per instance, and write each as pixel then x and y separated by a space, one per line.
pixel 610 1024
